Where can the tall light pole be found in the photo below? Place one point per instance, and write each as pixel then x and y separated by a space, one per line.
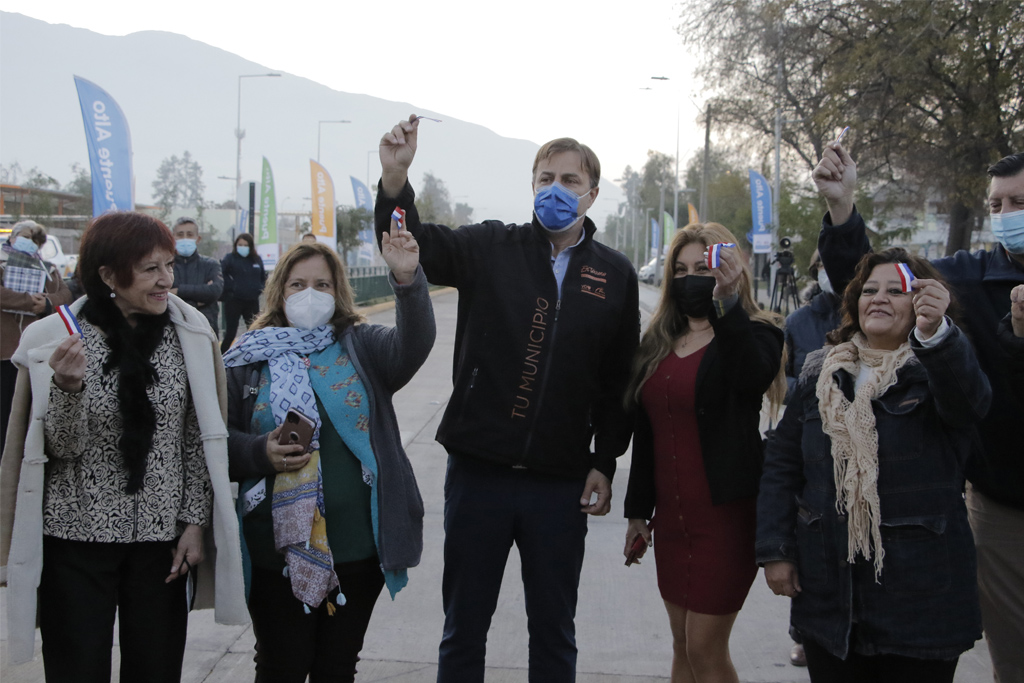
pixel 319 124
pixel 239 133
pixel 675 183
pixel 369 155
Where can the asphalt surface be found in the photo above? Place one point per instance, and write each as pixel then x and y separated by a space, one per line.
pixel 621 626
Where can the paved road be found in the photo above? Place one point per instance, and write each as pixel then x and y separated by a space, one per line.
pixel 622 629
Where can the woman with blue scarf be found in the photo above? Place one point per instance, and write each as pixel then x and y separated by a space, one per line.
pixel 325 528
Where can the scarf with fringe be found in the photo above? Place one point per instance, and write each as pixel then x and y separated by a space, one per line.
pixel 854 434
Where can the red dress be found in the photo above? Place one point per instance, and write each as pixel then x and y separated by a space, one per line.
pixel 704 552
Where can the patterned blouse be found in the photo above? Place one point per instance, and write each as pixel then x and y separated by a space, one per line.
pixel 85 497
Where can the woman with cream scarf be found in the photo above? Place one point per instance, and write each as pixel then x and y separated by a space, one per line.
pixel 861 517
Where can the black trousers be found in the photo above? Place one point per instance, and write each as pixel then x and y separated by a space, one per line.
pixel 233 309
pixel 291 644
pixel 84 584
pixel 487 508
pixel 8 378
pixel 824 667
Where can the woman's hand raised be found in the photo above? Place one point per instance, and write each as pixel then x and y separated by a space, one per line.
pixel 727 275
pixel 401 252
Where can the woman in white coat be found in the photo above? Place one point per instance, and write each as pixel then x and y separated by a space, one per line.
pixel 115 468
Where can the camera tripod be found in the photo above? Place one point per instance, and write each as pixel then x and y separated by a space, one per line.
pixel 784 291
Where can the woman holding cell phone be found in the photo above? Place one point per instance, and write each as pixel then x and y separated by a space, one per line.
pixel 703 367
pixel 118 455
pixel 314 441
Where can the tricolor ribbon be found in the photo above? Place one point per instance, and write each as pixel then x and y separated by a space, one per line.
pixel 70 321
pixel 398 215
pixel 906 277
pixel 715 253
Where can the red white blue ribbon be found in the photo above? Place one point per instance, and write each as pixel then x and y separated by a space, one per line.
pixel 906 277
pixel 70 321
pixel 715 253
pixel 398 215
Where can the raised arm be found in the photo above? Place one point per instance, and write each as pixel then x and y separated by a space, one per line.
pixel 843 239
pixel 445 254
pixel 404 348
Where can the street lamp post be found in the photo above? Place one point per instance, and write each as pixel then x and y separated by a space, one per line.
pixel 239 133
pixel 319 124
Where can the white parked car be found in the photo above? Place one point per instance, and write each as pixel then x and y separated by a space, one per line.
pixel 647 271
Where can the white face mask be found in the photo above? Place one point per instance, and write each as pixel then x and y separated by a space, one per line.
pixel 309 309
pixel 823 281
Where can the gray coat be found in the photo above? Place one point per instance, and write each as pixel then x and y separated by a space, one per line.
pixel 199 282
pixel 386 358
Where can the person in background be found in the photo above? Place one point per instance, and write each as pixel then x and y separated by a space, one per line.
pixel 31 289
pixel 244 278
pixel 317 563
pixel 308 238
pixel 983 281
pixel 703 367
pixel 861 517
pixel 806 328
pixel 197 278
pixel 116 467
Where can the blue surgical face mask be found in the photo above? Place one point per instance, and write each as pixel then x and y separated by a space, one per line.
pixel 242 250
pixel 1008 228
pixel 185 247
pixel 22 243
pixel 556 207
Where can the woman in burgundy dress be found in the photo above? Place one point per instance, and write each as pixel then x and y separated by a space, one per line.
pixel 704 364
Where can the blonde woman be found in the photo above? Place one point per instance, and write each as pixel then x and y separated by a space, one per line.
pixel 704 364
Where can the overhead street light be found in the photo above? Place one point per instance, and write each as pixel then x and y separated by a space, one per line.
pixel 239 133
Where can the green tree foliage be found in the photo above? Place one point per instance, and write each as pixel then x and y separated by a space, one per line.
pixel 81 184
pixel 933 89
pixel 350 221
pixel 179 184
pixel 463 214
pixel 434 202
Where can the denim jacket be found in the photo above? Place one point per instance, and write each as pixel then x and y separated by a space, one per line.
pixel 925 603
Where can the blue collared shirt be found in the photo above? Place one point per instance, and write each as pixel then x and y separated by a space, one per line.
pixel 560 263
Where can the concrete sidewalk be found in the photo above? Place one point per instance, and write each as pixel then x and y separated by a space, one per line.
pixel 622 628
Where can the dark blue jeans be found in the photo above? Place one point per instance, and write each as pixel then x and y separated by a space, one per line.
pixel 486 509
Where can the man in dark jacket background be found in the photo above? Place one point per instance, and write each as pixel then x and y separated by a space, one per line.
pixel 982 283
pixel 197 278
pixel 548 322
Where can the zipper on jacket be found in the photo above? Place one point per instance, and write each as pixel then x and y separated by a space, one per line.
pixel 543 384
pixel 472 381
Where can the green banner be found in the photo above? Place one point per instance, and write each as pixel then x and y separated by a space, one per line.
pixel 670 229
pixel 266 234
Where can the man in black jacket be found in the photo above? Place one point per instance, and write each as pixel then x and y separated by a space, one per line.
pixel 982 283
pixel 197 278
pixel 548 322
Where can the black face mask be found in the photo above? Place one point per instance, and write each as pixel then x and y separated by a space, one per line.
pixel 692 294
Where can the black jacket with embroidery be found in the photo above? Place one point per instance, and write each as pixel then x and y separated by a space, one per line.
pixel 537 376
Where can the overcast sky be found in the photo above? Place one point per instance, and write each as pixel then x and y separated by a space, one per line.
pixel 532 69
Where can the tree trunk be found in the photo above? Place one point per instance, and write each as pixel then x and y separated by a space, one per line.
pixel 960 228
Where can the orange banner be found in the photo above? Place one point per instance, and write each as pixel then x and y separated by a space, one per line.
pixel 694 218
pixel 324 225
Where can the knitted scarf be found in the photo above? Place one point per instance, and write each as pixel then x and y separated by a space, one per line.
pixel 131 349
pixel 854 434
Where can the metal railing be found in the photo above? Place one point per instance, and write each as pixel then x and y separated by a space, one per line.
pixel 369 282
